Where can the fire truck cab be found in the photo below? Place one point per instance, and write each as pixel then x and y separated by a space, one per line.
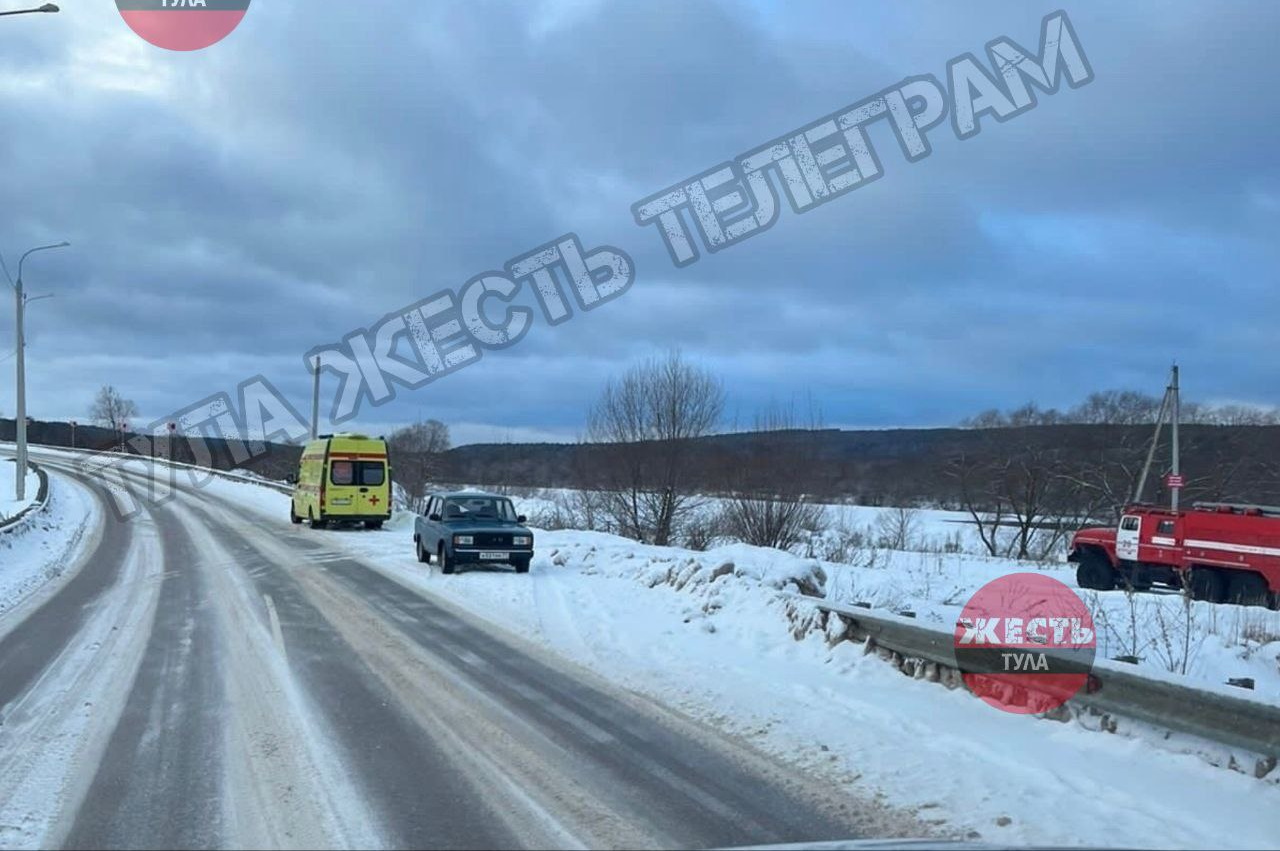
pixel 1220 552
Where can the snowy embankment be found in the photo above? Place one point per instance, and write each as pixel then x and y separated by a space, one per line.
pixel 939 569
pixel 9 507
pixel 711 633
pixel 41 549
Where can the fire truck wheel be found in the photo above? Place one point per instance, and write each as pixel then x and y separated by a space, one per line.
pixel 1247 589
pixel 1095 574
pixel 1208 584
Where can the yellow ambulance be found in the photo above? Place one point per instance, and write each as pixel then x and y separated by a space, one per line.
pixel 343 478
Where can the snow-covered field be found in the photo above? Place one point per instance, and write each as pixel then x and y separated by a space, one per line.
pixel 709 632
pixel 40 550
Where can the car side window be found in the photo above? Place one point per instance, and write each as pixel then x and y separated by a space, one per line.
pixel 1129 524
pixel 1165 527
pixel 431 506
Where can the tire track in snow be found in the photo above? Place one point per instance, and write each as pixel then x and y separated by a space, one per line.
pixel 413 791
pixel 85 644
pixel 159 777
pixel 674 788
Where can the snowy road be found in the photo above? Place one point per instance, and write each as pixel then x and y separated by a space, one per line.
pixel 201 681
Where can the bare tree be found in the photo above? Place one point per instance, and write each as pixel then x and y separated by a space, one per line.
pixel 647 421
pixel 1028 491
pixel 985 505
pixel 416 451
pixel 111 409
pixel 767 505
pixel 1116 407
pixel 898 528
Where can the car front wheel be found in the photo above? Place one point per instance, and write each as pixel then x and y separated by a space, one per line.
pixel 522 566
pixel 1095 572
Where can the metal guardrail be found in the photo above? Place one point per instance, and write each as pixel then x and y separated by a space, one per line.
pixel 229 475
pixel 42 497
pixel 1231 720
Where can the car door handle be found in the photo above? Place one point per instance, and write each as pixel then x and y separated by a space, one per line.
pixel 364 490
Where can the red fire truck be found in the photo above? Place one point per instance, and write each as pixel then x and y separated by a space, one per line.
pixel 1221 552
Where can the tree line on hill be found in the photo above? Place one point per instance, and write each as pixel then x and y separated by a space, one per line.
pixel 653 453
pixel 1026 477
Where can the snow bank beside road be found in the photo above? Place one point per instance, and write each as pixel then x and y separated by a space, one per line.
pixel 8 478
pixel 42 549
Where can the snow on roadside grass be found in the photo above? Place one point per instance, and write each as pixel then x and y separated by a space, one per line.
pixel 1207 643
pixel 39 551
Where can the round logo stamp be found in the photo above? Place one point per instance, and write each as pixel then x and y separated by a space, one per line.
pixel 183 24
pixel 1025 643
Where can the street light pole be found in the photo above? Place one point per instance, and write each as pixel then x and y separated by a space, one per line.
pixel 20 476
pixel 47 7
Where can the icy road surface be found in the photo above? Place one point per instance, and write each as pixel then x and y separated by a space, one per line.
pixel 200 678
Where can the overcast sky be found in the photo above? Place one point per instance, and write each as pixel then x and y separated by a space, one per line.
pixel 331 162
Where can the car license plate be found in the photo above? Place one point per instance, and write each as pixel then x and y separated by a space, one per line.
pixel 487 556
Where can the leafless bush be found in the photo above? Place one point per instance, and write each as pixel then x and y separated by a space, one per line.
pixel 769 521
pixel 583 510
pixel 1178 638
pixel 843 544
pixel 703 530
pixel 767 505
pixel 1256 630
pixel 1124 635
pixel 898 528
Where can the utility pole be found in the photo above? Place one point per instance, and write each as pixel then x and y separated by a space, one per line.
pixel 1175 487
pixel 21 304
pixel 1171 407
pixel 315 398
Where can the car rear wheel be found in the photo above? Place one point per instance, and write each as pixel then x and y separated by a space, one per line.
pixel 423 555
pixel 316 524
pixel 1247 589
pixel 293 515
pixel 373 524
pixel 446 561
pixel 1208 585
